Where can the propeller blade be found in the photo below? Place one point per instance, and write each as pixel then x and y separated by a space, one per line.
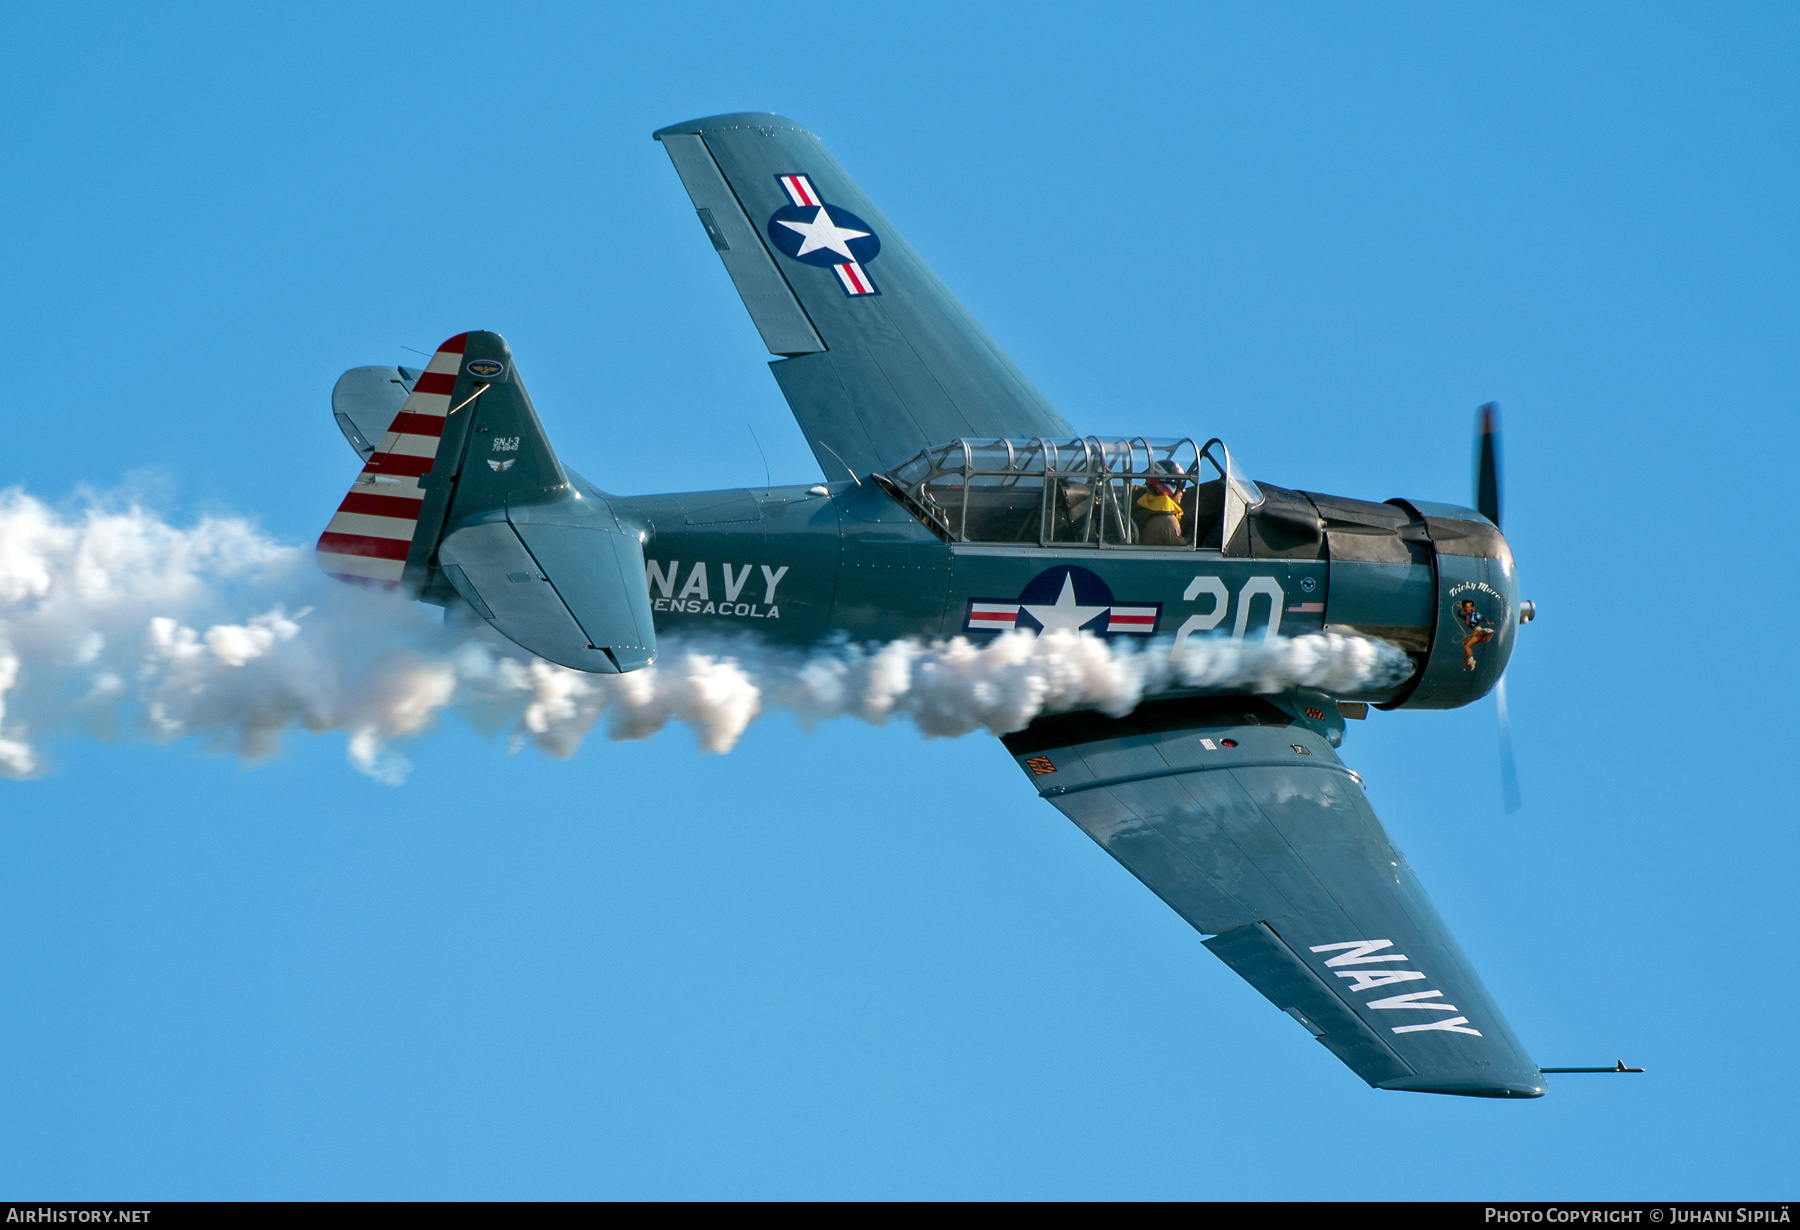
pixel 1487 467
pixel 1509 769
pixel 1487 503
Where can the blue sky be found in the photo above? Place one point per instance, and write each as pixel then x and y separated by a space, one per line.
pixel 855 962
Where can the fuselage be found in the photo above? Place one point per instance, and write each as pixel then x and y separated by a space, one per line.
pixel 801 564
pixel 1129 538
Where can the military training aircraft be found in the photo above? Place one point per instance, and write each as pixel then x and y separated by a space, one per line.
pixel 960 503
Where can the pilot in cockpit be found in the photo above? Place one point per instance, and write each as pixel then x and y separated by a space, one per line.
pixel 1157 510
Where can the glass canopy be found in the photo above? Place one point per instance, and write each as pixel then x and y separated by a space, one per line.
pixel 1098 492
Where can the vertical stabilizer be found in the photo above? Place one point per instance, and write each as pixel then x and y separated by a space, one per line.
pixel 465 501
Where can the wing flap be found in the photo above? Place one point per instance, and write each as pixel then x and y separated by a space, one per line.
pixel 846 432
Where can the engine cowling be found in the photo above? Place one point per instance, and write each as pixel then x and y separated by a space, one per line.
pixel 1436 580
pixel 1476 616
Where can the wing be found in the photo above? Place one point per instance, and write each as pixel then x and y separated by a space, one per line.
pixel 880 358
pixel 1244 820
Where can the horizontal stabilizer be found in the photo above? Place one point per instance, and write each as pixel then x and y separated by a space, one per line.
pixel 584 619
pixel 365 400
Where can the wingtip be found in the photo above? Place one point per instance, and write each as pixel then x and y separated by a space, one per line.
pixel 734 119
pixel 1463 1087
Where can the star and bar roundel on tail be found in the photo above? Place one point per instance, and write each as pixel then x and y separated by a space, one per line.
pixel 814 233
pixel 368 539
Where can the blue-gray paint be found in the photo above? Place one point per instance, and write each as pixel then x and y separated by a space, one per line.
pixel 899 370
pixel 1235 810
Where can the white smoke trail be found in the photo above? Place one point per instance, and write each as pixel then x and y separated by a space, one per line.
pixel 115 623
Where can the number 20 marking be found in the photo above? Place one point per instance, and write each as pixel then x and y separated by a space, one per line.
pixel 1222 600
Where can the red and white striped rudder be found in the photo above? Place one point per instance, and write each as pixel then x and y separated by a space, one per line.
pixel 369 537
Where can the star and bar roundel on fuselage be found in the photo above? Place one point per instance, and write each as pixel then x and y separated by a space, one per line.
pixel 1068 598
pixel 814 233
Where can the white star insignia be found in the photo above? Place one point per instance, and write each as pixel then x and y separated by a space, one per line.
pixel 1066 613
pixel 822 232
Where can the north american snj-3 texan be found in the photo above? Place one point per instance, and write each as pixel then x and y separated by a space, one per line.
pixel 966 506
